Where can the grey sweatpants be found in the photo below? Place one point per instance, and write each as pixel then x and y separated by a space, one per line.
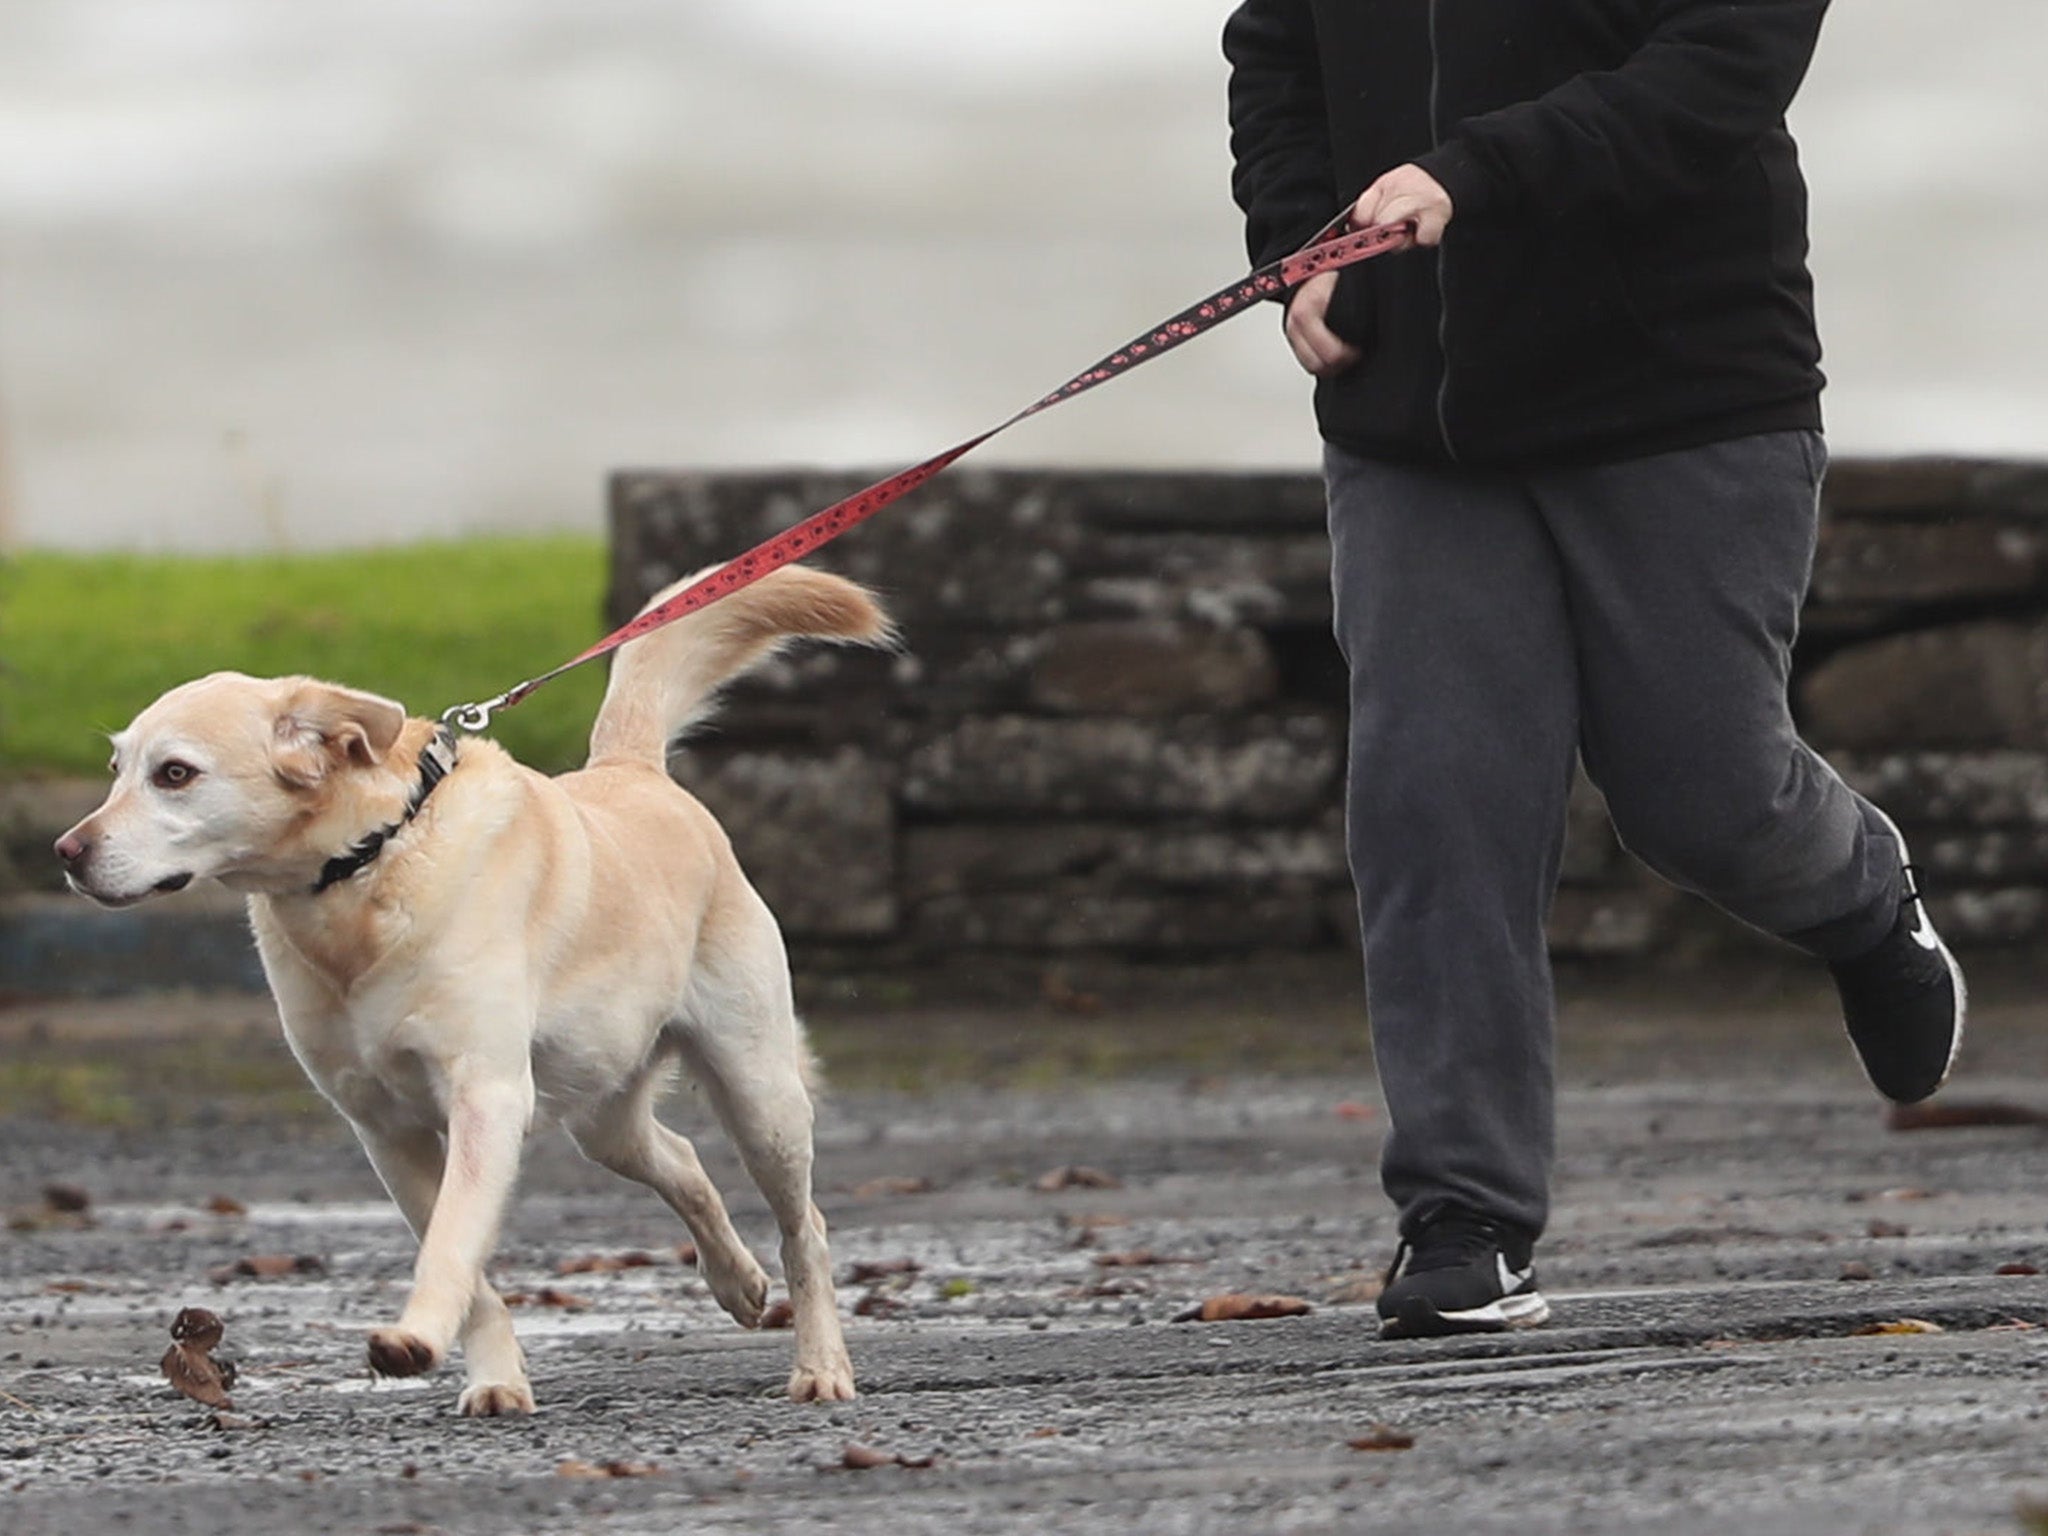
pixel 1640 616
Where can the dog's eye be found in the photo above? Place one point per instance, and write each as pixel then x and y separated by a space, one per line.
pixel 174 775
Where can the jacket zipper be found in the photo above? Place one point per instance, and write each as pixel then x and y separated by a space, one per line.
pixel 1443 304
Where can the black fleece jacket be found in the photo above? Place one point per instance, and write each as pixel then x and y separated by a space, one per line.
pixel 1625 268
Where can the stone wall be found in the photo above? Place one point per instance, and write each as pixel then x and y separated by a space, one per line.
pixel 1923 673
pixel 1116 725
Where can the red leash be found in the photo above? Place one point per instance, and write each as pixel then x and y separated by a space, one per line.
pixel 1331 249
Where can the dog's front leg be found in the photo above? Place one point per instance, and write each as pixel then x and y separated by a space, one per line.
pixel 411 1165
pixel 487 1120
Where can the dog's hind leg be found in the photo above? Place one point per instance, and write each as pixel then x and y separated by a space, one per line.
pixel 743 1041
pixel 411 1167
pixel 623 1135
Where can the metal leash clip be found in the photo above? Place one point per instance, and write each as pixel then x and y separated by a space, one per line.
pixel 475 718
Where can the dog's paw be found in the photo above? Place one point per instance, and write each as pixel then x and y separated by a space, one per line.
pixel 394 1352
pixel 740 1285
pixel 495 1400
pixel 822 1383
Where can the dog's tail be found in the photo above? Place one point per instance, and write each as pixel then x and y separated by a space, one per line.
pixel 664 682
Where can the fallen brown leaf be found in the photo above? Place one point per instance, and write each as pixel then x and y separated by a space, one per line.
pixel 197 1328
pixel 1898 1325
pixel 1140 1258
pixel 1383 1437
pixel 1957 1114
pixel 867 1271
pixel 865 1458
pixel 2018 1267
pixel 64 1206
pixel 1075 1176
pixel 574 1468
pixel 1904 1192
pixel 1237 1307
pixel 1853 1270
pixel 686 1253
pixel 226 1205
pixel 1092 1221
pixel 1887 1229
pixel 780 1314
pixel 894 1184
pixel 194 1373
pixel 875 1304
pixel 267 1266
pixel 547 1296
pixel 189 1364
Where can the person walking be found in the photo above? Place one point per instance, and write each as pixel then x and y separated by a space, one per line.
pixel 1573 452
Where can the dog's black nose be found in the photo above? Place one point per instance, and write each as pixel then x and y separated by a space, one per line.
pixel 71 848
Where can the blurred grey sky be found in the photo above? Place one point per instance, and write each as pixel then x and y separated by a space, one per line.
pixel 274 274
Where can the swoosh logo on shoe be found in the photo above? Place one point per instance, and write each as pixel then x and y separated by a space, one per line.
pixel 1509 1279
pixel 1923 930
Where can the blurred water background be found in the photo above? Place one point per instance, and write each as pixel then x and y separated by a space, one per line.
pixel 278 275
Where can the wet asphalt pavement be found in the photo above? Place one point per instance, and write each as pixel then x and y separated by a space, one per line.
pixel 1712 1364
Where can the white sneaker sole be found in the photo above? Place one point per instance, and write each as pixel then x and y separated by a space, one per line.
pixel 1955 972
pixel 1526 1310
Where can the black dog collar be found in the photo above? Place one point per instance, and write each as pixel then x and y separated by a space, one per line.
pixel 437 761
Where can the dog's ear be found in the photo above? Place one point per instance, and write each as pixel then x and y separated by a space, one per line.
pixel 321 727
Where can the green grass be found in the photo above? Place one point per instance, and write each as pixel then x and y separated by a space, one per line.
pixel 78 1092
pixel 1031 1049
pixel 118 1086
pixel 87 640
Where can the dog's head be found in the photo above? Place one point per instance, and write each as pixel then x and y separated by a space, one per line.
pixel 252 781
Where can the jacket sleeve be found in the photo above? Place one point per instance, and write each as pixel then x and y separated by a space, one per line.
pixel 1712 78
pixel 1279 134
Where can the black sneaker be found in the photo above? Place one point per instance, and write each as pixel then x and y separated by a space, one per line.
pixel 1463 1273
pixel 1903 1001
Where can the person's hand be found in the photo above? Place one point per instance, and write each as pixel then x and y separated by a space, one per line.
pixel 1404 193
pixel 1316 347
